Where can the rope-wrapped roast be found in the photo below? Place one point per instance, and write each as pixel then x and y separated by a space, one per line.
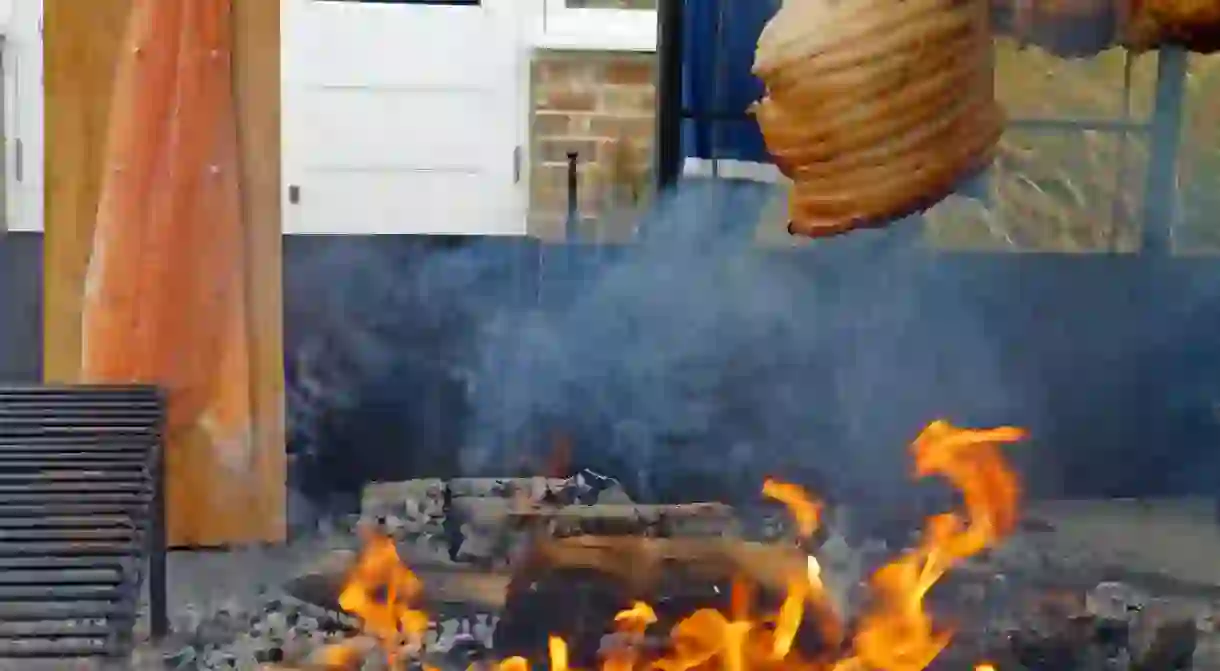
pixel 875 108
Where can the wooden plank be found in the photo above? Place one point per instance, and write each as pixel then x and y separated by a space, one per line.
pixel 256 54
pixel 81 40
pixel 200 314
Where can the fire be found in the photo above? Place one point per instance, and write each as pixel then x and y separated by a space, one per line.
pixel 894 633
pixel 380 590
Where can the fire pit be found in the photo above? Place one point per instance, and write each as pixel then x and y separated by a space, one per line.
pixel 629 600
pixel 580 584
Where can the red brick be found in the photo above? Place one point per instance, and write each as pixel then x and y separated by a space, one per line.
pixel 638 127
pixel 561 69
pixel 631 71
pixel 566 99
pixel 552 150
pixel 554 123
pixel 628 99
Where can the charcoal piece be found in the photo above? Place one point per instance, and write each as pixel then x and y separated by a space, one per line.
pixel 1172 648
pixel 1063 650
pixel 573 588
pixel 319 589
pixel 1112 636
pixel 576 604
pixel 1045 654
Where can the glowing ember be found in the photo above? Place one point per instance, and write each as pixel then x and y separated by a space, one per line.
pixel 895 633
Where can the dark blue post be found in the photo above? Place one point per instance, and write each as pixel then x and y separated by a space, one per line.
pixel 1160 190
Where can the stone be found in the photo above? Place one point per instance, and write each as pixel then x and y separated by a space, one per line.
pixel 614 495
pixel 1114 600
pixel 181 658
pixel 1172 648
pixel 841 570
pixel 379 498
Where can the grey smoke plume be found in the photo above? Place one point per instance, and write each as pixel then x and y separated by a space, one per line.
pixel 688 365
pixel 698 362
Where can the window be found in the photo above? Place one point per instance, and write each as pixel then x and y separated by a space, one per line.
pixel 611 25
pixel 612 4
pixel 1070 171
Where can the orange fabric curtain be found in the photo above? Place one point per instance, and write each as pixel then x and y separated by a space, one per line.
pixel 165 296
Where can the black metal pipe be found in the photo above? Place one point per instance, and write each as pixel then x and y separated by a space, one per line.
pixel 670 17
pixel 158 599
pixel 571 223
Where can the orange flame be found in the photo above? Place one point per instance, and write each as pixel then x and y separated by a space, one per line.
pixel 805 511
pixel 379 590
pixel 895 633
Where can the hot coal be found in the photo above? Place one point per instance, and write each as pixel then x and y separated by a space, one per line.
pixel 579 605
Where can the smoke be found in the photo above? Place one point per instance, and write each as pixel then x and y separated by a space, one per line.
pixel 689 365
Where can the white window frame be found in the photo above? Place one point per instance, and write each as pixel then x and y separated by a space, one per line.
pixel 595 29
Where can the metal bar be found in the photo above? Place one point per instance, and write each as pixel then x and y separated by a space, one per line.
pixel 28 563
pixel 1105 125
pixel 74 507
pixel 71 611
pixel 81 505
pixel 158 599
pixel 52 633
pixel 572 222
pixel 1160 189
pixel 80 592
pixel 670 15
pixel 66 549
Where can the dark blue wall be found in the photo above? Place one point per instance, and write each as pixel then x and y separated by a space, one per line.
pixel 1111 361
pixel 20 306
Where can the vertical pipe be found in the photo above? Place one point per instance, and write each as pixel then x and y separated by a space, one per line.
pixel 1160 190
pixel 158 607
pixel 572 222
pixel 670 17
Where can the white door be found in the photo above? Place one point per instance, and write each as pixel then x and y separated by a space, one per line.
pixel 23 114
pixel 402 116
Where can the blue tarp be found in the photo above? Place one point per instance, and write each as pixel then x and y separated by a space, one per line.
pixel 718 43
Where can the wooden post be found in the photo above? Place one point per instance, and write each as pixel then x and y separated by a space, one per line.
pixel 163 153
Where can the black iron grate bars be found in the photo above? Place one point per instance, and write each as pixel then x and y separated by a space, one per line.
pixel 81 519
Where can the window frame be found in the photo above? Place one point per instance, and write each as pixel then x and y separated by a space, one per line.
pixel 595 29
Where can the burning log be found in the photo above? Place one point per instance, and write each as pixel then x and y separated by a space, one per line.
pixel 697 519
pixel 642 563
pixel 747 605
pixel 677 576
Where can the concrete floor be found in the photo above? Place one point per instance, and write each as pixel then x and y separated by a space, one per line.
pixel 1178 538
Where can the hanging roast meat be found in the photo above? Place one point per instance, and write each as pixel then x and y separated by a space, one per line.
pixel 875 109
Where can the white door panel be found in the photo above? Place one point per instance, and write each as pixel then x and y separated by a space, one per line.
pixel 401 118
pixel 23 117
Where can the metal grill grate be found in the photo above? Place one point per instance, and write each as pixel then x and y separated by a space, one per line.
pixel 81 510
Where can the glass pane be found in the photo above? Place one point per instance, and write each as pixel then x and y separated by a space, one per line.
pixel 1032 83
pixel 1198 227
pixel 1060 188
pixel 1060 191
pixel 612 4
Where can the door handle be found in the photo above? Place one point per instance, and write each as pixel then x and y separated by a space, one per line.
pixel 294 194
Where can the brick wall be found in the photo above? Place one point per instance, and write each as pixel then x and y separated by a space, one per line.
pixel 601 105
